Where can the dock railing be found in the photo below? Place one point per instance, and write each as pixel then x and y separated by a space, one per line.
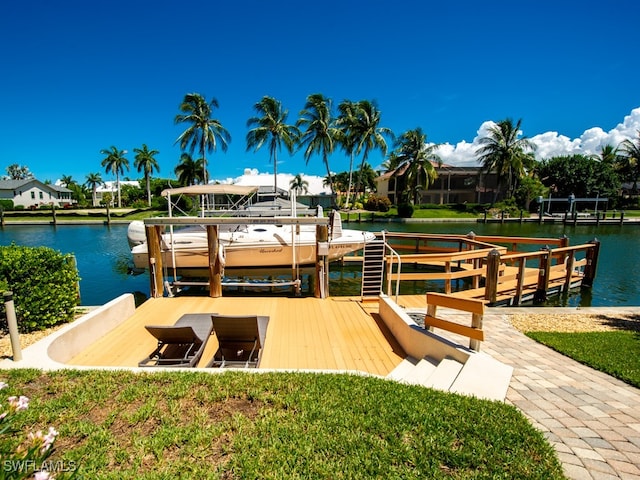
pixel 498 269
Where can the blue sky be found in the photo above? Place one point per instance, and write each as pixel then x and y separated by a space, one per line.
pixel 77 77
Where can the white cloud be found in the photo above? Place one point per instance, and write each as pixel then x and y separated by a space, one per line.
pixel 549 144
pixel 253 177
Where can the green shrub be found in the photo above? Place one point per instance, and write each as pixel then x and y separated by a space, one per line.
pixel 44 284
pixel 377 203
pixel 6 204
pixel 405 210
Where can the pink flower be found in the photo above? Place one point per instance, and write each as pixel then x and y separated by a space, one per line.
pixel 18 404
pixel 3 385
pixel 42 475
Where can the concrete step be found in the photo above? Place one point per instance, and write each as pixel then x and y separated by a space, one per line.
pixel 483 377
pixel 444 375
pixel 403 369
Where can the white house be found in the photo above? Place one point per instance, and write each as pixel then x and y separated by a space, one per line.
pixel 111 187
pixel 32 193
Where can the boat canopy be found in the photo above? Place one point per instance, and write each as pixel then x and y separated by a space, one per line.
pixel 211 189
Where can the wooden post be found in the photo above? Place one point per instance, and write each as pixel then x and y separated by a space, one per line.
pixel 621 217
pixel 592 264
pixel 569 266
pixel 2 217
pixel 109 215
pixel 520 285
pixel 476 322
pixel 154 251
pixel 215 266
pixel 493 269
pixel 53 214
pixel 322 275
pixel 544 270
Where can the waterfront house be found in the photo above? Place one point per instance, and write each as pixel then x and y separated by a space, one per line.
pixel 32 193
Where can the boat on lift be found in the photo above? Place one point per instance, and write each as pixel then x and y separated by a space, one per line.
pixel 247 243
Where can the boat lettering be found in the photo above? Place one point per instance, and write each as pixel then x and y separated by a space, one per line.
pixel 270 250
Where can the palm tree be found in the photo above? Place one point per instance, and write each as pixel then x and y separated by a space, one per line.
pixel 115 162
pixel 416 162
pixel 320 134
pixel 506 154
pixel 92 181
pixel 368 134
pixel 299 185
pixel 346 123
pixel 67 180
pixel 271 127
pixel 189 171
pixel 629 160
pixel 203 132
pixel 608 154
pixel 145 162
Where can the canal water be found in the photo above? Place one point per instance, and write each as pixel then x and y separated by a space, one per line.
pixel 105 268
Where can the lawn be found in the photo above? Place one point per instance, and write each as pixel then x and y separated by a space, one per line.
pixel 273 425
pixel 614 352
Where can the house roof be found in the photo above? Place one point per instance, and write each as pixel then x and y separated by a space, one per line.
pixel 16 184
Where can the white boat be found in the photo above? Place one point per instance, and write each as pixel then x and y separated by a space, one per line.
pixel 246 244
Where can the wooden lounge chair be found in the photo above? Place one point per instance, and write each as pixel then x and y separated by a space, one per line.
pixel 240 340
pixel 179 345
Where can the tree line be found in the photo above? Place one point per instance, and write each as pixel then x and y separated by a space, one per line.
pixel 356 129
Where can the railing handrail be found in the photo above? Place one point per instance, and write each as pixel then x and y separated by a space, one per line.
pixel 390 268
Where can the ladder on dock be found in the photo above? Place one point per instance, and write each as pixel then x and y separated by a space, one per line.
pixel 373 264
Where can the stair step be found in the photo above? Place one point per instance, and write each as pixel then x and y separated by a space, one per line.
pixel 422 370
pixel 483 377
pixel 403 369
pixel 444 375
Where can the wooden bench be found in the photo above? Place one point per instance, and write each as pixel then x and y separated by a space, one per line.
pixel 467 305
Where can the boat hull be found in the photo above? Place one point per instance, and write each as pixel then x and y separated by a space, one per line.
pixel 247 255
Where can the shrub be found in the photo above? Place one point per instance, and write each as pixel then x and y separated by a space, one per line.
pixel 44 284
pixel 6 204
pixel 405 210
pixel 376 203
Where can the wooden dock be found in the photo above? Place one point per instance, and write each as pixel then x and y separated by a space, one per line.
pixel 337 333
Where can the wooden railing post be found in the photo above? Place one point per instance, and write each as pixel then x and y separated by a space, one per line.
pixel 154 252
pixel 544 270
pixel 215 266
pixel 493 269
pixel 592 263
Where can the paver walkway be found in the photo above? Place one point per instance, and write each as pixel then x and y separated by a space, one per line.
pixel 592 419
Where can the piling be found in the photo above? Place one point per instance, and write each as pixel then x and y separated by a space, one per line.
pixel 12 323
pixel 493 269
pixel 592 263
pixel 544 269
pixel 215 262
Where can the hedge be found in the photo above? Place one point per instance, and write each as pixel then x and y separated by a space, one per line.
pixel 44 284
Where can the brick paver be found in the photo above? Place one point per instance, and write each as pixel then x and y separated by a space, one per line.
pixel 592 419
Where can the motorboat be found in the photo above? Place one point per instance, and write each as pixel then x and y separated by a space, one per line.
pixel 246 243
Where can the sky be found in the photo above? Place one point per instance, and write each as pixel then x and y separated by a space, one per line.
pixel 77 77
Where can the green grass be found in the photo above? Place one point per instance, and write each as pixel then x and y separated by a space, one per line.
pixel 614 352
pixel 275 425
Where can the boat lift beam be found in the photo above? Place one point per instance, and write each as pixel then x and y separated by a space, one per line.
pixel 153 228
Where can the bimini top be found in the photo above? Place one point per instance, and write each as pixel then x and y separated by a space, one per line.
pixel 211 189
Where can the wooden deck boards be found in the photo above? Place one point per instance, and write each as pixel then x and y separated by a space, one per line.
pixel 303 333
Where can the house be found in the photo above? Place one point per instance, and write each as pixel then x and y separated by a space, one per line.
pixel 32 193
pixel 453 185
pixel 111 187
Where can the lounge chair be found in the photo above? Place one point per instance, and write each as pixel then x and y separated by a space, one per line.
pixel 181 344
pixel 240 340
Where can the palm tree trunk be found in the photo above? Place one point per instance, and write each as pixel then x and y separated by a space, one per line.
pixel 118 188
pixel 148 189
pixel 350 179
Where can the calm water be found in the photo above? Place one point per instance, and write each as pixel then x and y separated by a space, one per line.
pixel 104 263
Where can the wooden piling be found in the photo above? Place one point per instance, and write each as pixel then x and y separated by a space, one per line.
pixel 215 264
pixel 321 289
pixel 154 252
pixel 592 263
pixel 544 270
pixel 493 270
